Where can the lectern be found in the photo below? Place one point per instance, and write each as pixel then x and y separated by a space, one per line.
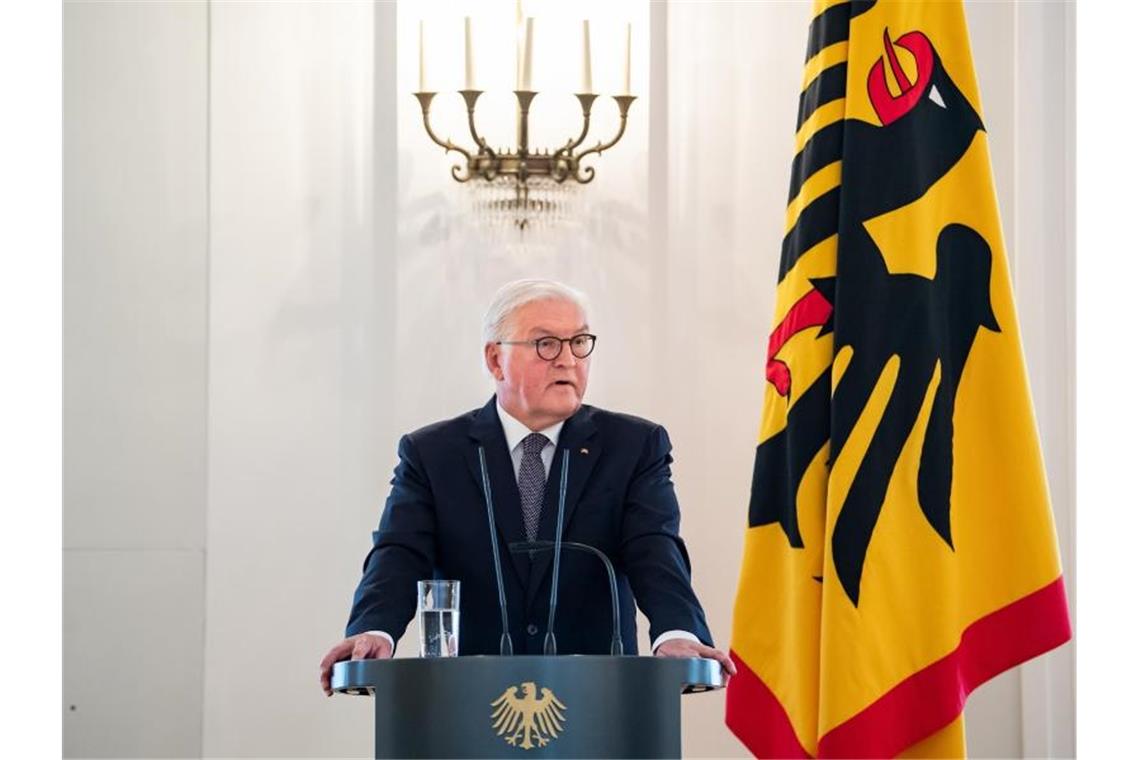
pixel 528 706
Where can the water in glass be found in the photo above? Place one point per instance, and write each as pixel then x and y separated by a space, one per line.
pixel 438 614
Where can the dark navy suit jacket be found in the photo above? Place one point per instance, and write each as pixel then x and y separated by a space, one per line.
pixel 620 499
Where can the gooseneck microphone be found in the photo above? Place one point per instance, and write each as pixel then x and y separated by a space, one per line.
pixel 616 647
pixel 549 645
pixel 506 647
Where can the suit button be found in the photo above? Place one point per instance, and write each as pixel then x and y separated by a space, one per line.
pixel 532 629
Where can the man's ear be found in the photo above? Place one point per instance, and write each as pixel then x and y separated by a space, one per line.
pixel 493 355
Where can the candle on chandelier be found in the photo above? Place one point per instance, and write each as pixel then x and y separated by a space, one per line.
pixel 625 74
pixel 518 44
pixel 422 78
pixel 468 56
pixel 528 50
pixel 587 78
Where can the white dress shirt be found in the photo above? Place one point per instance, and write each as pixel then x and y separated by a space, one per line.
pixel 515 432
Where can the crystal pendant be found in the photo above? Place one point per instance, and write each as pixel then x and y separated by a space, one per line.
pixel 508 208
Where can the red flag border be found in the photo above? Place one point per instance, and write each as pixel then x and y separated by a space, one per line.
pixel 920 704
pixel 755 715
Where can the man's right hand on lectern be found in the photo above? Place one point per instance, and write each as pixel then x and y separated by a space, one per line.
pixel 362 646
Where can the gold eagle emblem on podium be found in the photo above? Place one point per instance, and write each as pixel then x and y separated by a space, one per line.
pixel 530 720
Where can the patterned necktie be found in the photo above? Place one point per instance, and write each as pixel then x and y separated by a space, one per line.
pixel 532 482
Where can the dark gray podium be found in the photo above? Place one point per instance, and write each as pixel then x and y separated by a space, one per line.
pixel 525 706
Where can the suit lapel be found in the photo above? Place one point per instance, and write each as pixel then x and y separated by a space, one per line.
pixel 578 431
pixel 487 431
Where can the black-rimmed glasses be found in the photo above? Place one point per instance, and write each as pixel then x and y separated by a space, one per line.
pixel 550 348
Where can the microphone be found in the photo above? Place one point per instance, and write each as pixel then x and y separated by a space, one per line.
pixel 549 646
pixel 616 647
pixel 506 647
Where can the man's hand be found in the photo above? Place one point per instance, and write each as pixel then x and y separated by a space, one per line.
pixel 362 646
pixel 686 648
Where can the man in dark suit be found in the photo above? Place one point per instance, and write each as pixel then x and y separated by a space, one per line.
pixel 619 499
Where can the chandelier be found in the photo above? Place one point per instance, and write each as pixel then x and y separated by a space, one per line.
pixel 522 186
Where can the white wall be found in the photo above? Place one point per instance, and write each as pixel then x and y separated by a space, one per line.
pixel 300 355
pixel 234 389
pixel 135 344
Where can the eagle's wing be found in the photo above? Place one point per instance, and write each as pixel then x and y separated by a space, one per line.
pixel 507 714
pixel 547 712
pixel 508 694
pixel 508 723
pixel 553 699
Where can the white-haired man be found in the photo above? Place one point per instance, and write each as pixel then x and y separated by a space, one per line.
pixel 619 499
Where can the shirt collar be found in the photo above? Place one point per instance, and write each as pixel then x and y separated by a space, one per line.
pixel 515 431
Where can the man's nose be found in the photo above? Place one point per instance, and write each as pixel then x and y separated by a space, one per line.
pixel 566 357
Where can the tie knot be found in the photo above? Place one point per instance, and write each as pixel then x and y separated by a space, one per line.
pixel 534 443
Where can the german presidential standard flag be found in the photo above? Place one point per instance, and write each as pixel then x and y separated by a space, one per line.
pixel 900 547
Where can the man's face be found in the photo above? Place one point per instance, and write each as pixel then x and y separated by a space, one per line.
pixel 533 390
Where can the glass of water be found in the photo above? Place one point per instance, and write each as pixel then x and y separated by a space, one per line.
pixel 438 613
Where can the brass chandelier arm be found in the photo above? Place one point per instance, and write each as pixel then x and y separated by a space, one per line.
pixel 587 100
pixel 486 164
pixel 425 99
pixel 563 157
pixel 624 102
pixel 520 164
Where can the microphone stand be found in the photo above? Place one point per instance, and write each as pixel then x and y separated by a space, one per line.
pixel 616 647
pixel 550 645
pixel 505 646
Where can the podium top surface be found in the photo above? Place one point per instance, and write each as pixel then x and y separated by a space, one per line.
pixel 690 675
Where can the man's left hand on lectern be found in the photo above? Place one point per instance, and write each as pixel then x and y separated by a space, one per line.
pixel 362 646
pixel 685 648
